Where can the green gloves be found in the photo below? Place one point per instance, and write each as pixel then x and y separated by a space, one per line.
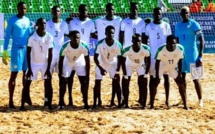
pixel 5 57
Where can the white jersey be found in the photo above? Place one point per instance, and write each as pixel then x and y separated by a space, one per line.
pixel 136 59
pixel 169 59
pixel 108 54
pixel 73 55
pixel 58 30
pixel 102 23
pixel 84 27
pixel 130 27
pixel 40 47
pixel 157 34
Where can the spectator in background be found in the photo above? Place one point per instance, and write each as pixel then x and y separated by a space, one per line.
pixel 163 6
pixel 210 7
pixel 200 5
pixel 193 7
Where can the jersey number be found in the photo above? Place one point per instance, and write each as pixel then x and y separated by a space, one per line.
pixel 108 55
pixel 158 35
pixel 171 61
pixel 74 58
pixel 56 33
pixel 82 30
pixel 134 30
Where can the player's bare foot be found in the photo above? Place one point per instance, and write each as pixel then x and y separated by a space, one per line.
pixel 60 107
pixel 87 107
pixel 186 108
pixel 22 108
pixel 112 104
pixel 100 103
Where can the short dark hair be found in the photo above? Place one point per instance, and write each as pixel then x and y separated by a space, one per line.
pixel 171 37
pixel 39 20
pixel 81 6
pixel 109 28
pixel 133 4
pixel 156 9
pixel 136 35
pixel 72 33
pixel 108 5
pixel 55 7
pixel 20 4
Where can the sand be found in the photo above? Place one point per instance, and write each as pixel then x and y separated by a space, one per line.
pixel 105 120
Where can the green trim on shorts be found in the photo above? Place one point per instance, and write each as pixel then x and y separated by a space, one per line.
pixel 159 50
pixel 63 47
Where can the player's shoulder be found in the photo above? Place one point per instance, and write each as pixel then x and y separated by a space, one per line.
pixel 179 46
pixel 65 45
pixel 127 49
pixel 145 47
pixel 118 43
pixel 32 35
pixel 84 45
pixel 165 23
pixel 161 48
pixel 126 20
pixel 100 41
pixel 117 18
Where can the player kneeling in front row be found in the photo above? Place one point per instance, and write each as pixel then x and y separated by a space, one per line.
pixel 136 57
pixel 72 59
pixel 169 60
pixel 39 56
pixel 108 59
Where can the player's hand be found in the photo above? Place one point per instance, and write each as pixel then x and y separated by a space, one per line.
pixel 199 62
pixel 48 74
pixel 5 57
pixel 103 72
pixel 29 74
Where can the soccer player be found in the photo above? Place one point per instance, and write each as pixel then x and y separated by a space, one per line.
pixel 70 61
pixel 83 24
pixel 129 26
pixel 109 19
pixel 58 29
pixel 108 60
pixel 187 31
pixel 19 29
pixel 136 57
pixel 101 24
pixel 169 60
pixel 39 56
pixel 156 32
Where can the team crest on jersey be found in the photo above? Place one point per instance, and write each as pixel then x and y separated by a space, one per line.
pixel 46 42
pixel 128 23
pixel 141 54
pixel 188 26
pixel 112 51
pixel 24 26
pixel 175 55
pixel 104 24
pixel 130 55
pixel 76 23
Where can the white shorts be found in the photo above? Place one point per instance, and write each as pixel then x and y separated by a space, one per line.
pixel 139 69
pixel 79 70
pixel 54 65
pixel 165 70
pixel 111 69
pixel 38 68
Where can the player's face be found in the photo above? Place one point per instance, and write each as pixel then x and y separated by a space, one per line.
pixel 134 9
pixel 42 24
pixel 172 44
pixel 110 11
pixel 75 39
pixel 157 15
pixel 137 41
pixel 22 9
pixel 110 34
pixel 185 14
pixel 83 12
pixel 56 12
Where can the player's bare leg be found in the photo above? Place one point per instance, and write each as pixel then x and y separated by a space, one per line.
pixel 166 86
pixel 113 96
pixel 140 100
pixel 153 90
pixel 49 89
pixel 116 85
pixel 84 90
pixel 125 88
pixel 97 93
pixel 26 95
pixel 62 91
pixel 143 84
pixel 185 86
pixel 70 83
pixel 198 88
pixel 11 86
pixel 182 91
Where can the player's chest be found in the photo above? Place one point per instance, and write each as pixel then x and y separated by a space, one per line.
pixel 83 25
pixel 133 24
pixel 54 28
pixel 21 25
pixel 70 52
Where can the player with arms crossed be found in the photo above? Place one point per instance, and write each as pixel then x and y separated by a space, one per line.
pixel 101 24
pixel 108 59
pixel 169 60
pixel 70 61
pixel 187 31
pixel 136 57
pixel 156 32
pixel 58 29
pixel 18 28
pixel 129 26
pixel 39 55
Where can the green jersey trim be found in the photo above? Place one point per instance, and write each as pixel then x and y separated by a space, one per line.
pixel 62 48
pixel 146 48
pixel 159 50
pixel 126 50
pixel 99 43
pixel 86 46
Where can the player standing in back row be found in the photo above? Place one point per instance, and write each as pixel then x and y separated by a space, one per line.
pixel 188 31
pixel 58 29
pixel 19 29
pixel 129 26
pixel 157 32
pixel 109 20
